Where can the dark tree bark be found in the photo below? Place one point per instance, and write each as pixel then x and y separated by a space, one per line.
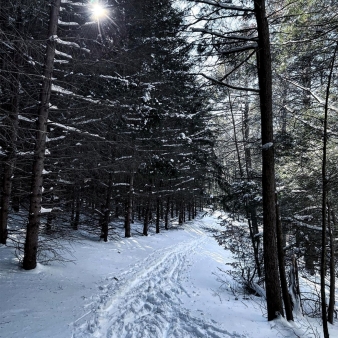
pixel 272 283
pixel 294 285
pixel 106 212
pixel 32 234
pixel 77 212
pixel 12 125
pixel 180 208
pixel 281 261
pixel 235 137
pixel 166 217
pixel 332 226
pixel 146 221
pixel 324 201
pixel 246 134
pixel 8 168
pixel 255 243
pixel 129 208
pixel 189 211
pixel 75 209
pixel 158 215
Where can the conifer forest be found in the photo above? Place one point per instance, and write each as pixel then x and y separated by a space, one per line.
pixel 150 112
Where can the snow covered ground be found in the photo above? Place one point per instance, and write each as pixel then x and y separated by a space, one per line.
pixel 168 285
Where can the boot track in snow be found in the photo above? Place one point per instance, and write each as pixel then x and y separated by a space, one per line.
pixel 145 301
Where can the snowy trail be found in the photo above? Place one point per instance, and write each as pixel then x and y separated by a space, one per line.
pixel 176 284
pixel 146 300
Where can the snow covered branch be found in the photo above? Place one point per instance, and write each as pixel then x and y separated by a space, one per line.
pixel 315 96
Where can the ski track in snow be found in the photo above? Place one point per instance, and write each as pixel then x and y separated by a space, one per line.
pixel 145 301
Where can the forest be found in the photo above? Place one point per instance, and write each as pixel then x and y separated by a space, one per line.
pixel 150 111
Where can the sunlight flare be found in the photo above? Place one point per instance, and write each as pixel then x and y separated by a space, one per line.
pixel 98 11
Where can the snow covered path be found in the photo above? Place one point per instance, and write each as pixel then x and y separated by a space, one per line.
pixel 146 300
pixel 167 285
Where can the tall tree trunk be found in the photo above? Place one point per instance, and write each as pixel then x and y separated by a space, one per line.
pixel 324 201
pixel 106 212
pixel 166 217
pixel 246 134
pixel 272 284
pixel 158 215
pixel 129 209
pixel 189 211
pixel 32 234
pixel 255 243
pixel 193 203
pixel 146 220
pixel 12 125
pixel 251 207
pixel 77 212
pixel 235 137
pixel 281 261
pixel 332 226
pixel 294 286
pixel 180 209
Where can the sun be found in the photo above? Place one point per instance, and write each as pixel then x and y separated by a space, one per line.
pixel 98 11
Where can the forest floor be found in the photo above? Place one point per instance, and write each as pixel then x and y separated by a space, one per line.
pixel 172 284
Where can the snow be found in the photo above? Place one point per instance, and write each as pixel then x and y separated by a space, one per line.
pixel 67 23
pixel 23 118
pixel 57 52
pixel 163 285
pixel 267 145
pixel 45 210
pixel 62 42
pixel 68 128
pixel 81 4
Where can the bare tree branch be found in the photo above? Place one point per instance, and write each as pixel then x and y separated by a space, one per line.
pixel 316 97
pixel 240 49
pixel 234 37
pixel 223 6
pixel 226 84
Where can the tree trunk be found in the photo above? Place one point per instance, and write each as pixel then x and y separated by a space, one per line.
pixel 272 284
pixel 235 137
pixel 332 226
pixel 129 209
pixel 193 208
pixel 158 215
pixel 106 212
pixel 13 124
pixel 32 234
pixel 166 217
pixel 146 221
pixel 246 134
pixel 77 212
pixel 324 201
pixel 323 255
pixel 255 243
pixel 189 211
pixel 281 261
pixel 294 286
pixel 180 209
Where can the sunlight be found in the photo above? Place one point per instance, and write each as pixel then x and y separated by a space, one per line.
pixel 98 11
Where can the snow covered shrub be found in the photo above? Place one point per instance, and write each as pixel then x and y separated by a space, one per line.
pixel 248 255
